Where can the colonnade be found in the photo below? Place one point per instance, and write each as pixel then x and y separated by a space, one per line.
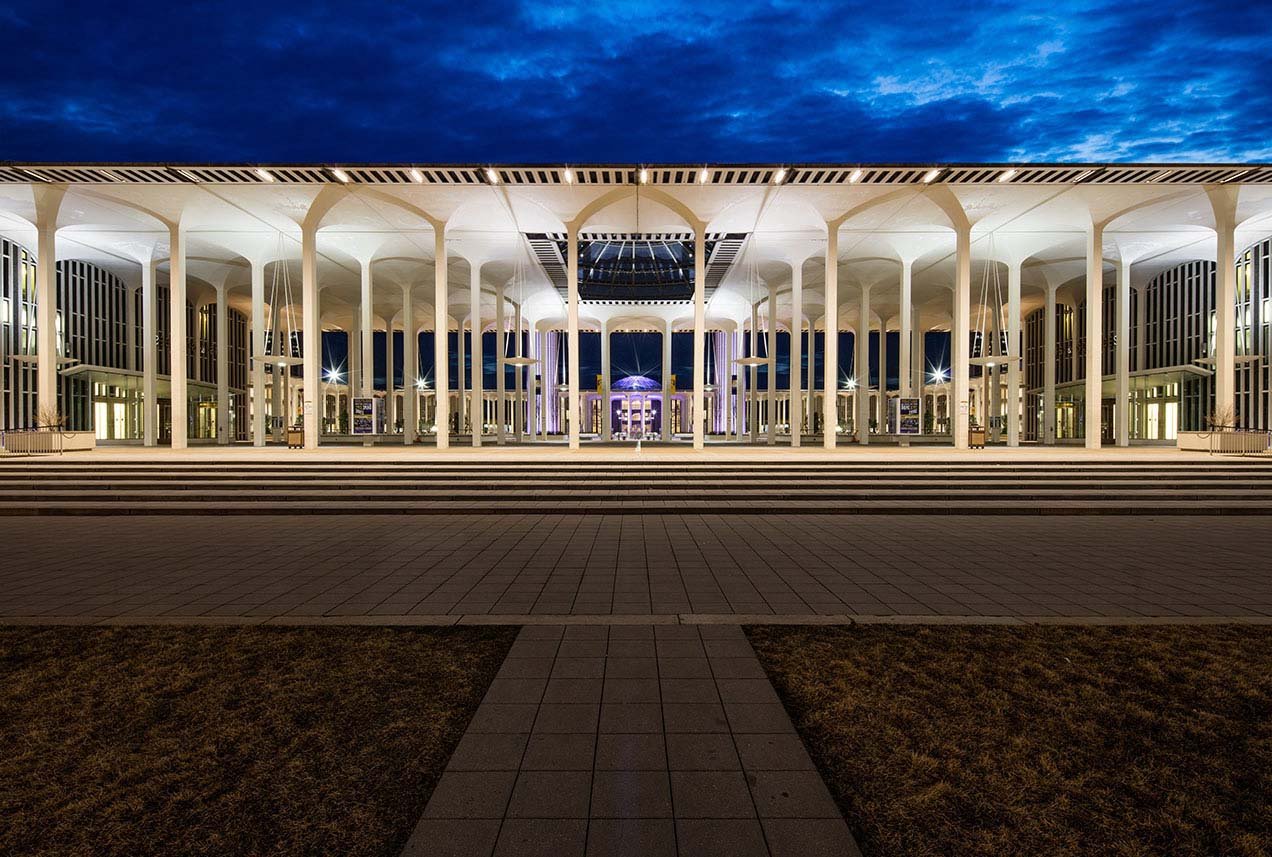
pixel 48 200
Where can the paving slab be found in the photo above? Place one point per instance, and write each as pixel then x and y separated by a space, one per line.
pixel 664 765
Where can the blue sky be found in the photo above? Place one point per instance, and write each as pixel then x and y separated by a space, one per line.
pixel 635 81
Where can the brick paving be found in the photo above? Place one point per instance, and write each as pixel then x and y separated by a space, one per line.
pixel 633 740
pixel 374 568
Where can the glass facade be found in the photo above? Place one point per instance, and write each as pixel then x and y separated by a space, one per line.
pixel 100 350
pixel 1171 353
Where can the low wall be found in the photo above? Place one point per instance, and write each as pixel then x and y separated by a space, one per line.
pixel 46 442
pixel 1227 442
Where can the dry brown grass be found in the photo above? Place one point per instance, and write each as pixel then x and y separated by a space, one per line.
pixel 1017 741
pixel 233 741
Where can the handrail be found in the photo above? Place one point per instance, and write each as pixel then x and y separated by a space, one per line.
pixel 40 440
pixel 1234 440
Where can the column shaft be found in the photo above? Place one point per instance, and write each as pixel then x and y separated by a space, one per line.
pixel 222 369
pixel 572 333
pixel 501 354
pixel 905 354
pixel 149 356
pixel 177 368
pixel 312 335
pixel 476 407
pixel 699 333
pixel 441 343
pixel 959 345
pixel 1122 406
pixel 1049 370
pixel 861 369
pixel 1094 334
pixel 796 361
pixel 410 369
pixel 1013 354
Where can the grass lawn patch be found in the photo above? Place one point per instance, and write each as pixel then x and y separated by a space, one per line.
pixel 230 741
pixel 1016 741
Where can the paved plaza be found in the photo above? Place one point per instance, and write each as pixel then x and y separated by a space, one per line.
pixel 387 569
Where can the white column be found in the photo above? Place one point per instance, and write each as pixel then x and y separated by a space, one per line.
pixel 861 369
pixel 739 416
pixel 607 430
pixel 771 405
pixel 48 200
pixel 906 352
pixel 918 357
pixel 797 333
pixel 666 382
pixel 441 345
pixel 476 409
pixel 1049 369
pixel 959 367
pixel 312 334
pixel 519 409
pixel 1122 416
pixel 699 332
pixel 222 369
pixel 390 400
pixel 753 385
pixel 461 388
pixel 574 425
pixel 882 413
pixel 130 330
pixel 410 369
pixel 1094 333
pixel 365 331
pixel 149 356
pixel 177 368
pixel 1014 353
pixel 1225 318
pixel 830 370
pixel 501 354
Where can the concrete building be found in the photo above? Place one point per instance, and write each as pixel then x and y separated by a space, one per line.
pixel 1132 297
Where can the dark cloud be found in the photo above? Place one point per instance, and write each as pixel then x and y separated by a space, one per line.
pixel 631 81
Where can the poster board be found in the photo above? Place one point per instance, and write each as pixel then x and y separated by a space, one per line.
pixel 906 415
pixel 365 415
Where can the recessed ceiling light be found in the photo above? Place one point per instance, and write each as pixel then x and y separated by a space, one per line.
pixel 492 176
pixel 340 175
pixel 703 175
pixel 264 174
pixel 930 176
pixel 568 175
pixel 855 176
pixel 644 175
pixel 417 177
pixel 1007 175
pixel 780 175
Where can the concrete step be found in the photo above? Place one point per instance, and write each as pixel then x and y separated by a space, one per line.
pixel 627 507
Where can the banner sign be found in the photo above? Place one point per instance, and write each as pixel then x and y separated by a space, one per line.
pixel 907 417
pixel 364 412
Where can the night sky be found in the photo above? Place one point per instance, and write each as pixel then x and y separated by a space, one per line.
pixel 695 81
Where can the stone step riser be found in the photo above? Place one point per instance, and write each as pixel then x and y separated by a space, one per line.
pixel 1013 508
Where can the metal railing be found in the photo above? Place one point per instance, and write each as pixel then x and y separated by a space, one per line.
pixel 1232 440
pixel 41 440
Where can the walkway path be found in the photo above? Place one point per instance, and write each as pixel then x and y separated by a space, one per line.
pixel 390 569
pixel 633 740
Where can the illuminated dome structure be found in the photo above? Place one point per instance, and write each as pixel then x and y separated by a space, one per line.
pixel 637 384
